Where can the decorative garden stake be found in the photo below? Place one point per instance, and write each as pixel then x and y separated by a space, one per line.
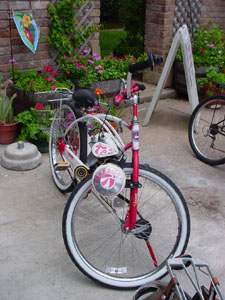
pixel 27 29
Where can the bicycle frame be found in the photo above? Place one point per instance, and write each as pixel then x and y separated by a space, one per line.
pixel 134 145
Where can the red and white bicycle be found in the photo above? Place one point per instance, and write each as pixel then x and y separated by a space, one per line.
pixel 122 220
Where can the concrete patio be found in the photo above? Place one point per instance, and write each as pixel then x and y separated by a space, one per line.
pixel 34 263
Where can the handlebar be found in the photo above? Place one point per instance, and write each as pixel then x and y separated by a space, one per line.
pixel 135 87
pixel 150 62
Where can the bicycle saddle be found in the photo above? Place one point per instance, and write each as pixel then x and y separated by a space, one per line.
pixel 85 98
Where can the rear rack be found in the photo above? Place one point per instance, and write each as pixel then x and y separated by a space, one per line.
pixel 190 279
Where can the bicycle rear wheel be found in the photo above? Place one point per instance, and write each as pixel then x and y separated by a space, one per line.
pixel 96 242
pixel 77 140
pixel 207 130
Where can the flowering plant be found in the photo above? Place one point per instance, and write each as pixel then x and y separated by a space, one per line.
pixel 208 47
pixel 89 68
pixel 32 81
pixel 208 85
pixel 29 120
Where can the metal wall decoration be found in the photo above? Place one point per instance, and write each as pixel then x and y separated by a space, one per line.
pixel 187 12
pixel 84 20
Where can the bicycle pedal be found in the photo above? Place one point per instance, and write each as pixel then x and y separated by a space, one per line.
pixel 62 166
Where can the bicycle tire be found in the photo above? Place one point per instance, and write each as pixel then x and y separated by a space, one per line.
pixel 206 130
pixel 84 217
pixel 76 139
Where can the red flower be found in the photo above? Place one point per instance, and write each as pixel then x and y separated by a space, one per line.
pixel 47 68
pixel 98 92
pixel 54 73
pixel 223 71
pixel 202 50
pixel 39 106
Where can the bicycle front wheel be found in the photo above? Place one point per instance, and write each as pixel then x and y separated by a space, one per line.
pixel 76 138
pixel 96 242
pixel 207 130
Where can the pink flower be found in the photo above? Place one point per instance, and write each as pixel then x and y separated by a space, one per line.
pixel 70 116
pixel 54 87
pixel 90 61
pixel 49 79
pixel 12 61
pixel 99 109
pixel 86 51
pixel 98 58
pixel 100 71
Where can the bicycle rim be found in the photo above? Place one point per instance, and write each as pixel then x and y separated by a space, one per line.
pixel 64 179
pixel 207 130
pixel 95 240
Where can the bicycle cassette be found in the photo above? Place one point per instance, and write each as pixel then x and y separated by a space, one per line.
pixel 108 180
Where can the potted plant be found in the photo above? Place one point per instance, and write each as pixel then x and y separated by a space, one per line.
pixel 8 125
pixel 208 47
pixel 96 72
pixel 30 128
pixel 207 85
pixel 33 87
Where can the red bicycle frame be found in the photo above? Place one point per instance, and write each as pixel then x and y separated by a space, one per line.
pixel 132 212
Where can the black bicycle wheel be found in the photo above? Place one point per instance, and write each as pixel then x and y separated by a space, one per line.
pixel 94 235
pixel 76 138
pixel 207 130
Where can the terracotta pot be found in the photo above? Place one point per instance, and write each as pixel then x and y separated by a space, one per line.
pixel 8 133
pixel 216 105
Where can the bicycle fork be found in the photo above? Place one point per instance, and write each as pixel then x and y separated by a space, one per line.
pixel 134 184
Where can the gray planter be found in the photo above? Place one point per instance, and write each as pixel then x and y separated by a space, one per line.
pixel 25 101
pixel 109 88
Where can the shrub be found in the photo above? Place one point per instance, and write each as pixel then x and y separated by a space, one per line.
pixel 134 24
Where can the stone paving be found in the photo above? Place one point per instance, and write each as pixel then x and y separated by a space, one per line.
pixel 33 261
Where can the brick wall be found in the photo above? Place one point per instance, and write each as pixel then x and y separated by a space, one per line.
pixel 213 10
pixel 25 59
pixel 159 27
pixel 158 32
